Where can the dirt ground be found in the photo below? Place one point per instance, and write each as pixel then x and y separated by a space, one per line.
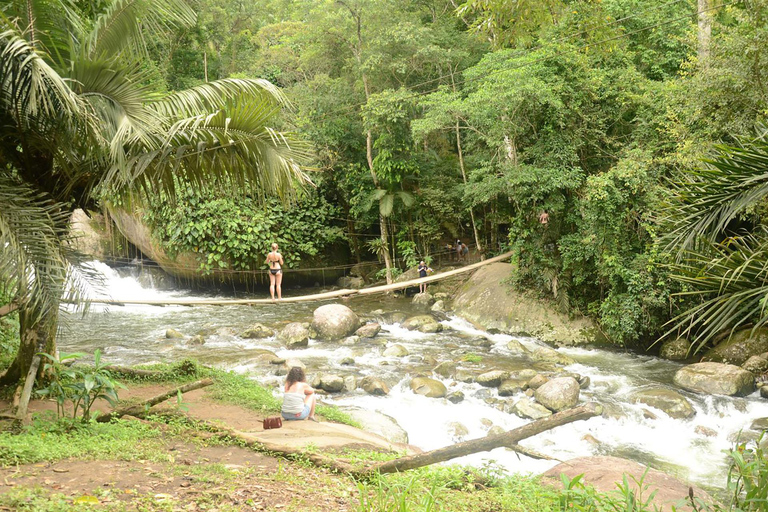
pixel 241 478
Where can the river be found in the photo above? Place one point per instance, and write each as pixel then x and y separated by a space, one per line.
pixel 132 335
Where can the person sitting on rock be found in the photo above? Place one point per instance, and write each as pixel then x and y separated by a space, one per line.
pixel 299 397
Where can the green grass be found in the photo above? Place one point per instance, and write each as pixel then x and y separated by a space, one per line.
pixel 472 358
pixel 56 440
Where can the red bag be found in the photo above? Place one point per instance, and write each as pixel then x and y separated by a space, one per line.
pixel 272 422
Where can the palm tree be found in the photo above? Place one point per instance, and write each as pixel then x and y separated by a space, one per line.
pixel 720 240
pixel 81 114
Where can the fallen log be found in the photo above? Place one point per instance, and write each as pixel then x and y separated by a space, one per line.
pixel 8 309
pixel 134 410
pixel 29 383
pixel 507 439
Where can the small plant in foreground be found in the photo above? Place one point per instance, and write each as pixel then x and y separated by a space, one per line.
pixel 81 385
pixel 748 478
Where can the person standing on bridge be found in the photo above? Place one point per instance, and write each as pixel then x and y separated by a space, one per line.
pixel 275 262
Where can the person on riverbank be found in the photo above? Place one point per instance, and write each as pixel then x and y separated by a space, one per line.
pixel 275 262
pixel 423 270
pixel 457 248
pixel 299 397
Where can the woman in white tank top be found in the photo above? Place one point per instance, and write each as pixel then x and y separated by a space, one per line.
pixel 299 397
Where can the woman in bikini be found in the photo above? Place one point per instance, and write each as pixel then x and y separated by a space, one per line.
pixel 275 262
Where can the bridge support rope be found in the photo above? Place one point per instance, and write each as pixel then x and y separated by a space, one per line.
pixel 304 298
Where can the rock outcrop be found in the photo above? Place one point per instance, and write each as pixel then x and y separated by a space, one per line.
pixel 676 350
pixel 334 322
pixel 257 331
pixel 716 379
pixel 742 345
pixel 489 301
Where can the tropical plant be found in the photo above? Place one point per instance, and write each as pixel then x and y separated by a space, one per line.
pixel 81 385
pixel 81 112
pixel 718 235
pixel 748 477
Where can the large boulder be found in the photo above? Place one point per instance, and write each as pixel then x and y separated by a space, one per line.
pixel 334 321
pixel 294 335
pixel 511 386
pixel 350 282
pixel 368 330
pixel 331 383
pixel 716 379
pixel 527 408
pixel 172 334
pixel 488 300
pixel 423 300
pixel 257 331
pixel 423 323
pixel 676 350
pixel 670 401
pixel 756 364
pixel 742 345
pixel 445 369
pixel 558 394
pixel 603 473
pixel 428 387
pixel 374 386
pixel 378 423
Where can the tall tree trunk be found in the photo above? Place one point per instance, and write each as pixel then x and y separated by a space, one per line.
pixel 385 247
pixel 34 335
pixel 464 177
pixel 704 32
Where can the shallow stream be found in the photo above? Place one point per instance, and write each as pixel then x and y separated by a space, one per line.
pixel 131 335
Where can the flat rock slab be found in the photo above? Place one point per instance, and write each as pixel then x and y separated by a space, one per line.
pixel 716 379
pixel 603 473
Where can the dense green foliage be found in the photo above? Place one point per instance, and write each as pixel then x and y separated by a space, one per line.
pixel 231 232
pixel 482 115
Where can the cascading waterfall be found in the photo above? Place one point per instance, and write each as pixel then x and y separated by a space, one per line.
pixel 135 334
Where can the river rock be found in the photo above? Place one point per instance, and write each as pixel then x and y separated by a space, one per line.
pixel 423 300
pixel 524 374
pixel 527 408
pixel 457 430
pixel 489 300
pixel 350 383
pixel 550 355
pixel 378 423
pixel 671 402
pixel 558 394
pixel 294 335
pixel 740 347
pixel 196 340
pixel 396 350
pixel 455 397
pixel 334 321
pixel 445 369
pixel 368 330
pixel 492 379
pixel 716 379
pixel 397 317
pixel 262 354
pixel 423 323
pixel 537 381
pixel 350 282
pixel 764 392
pixel 603 473
pixel 759 424
pixel 350 340
pixel 172 334
pixel 756 364
pixel 441 296
pixel 374 386
pixel 676 350
pixel 438 307
pixel 496 430
pixel 347 361
pixel 257 331
pixel 584 381
pixel 295 363
pixel 705 431
pixel 483 394
pixel 516 347
pixel 428 387
pixel 511 386
pixel 464 376
pixel 331 383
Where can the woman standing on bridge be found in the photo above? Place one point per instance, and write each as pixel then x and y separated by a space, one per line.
pixel 275 262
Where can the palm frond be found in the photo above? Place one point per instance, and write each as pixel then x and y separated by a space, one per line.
pixel 209 97
pixel 124 23
pixel 731 278
pixel 732 182
pixel 233 146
